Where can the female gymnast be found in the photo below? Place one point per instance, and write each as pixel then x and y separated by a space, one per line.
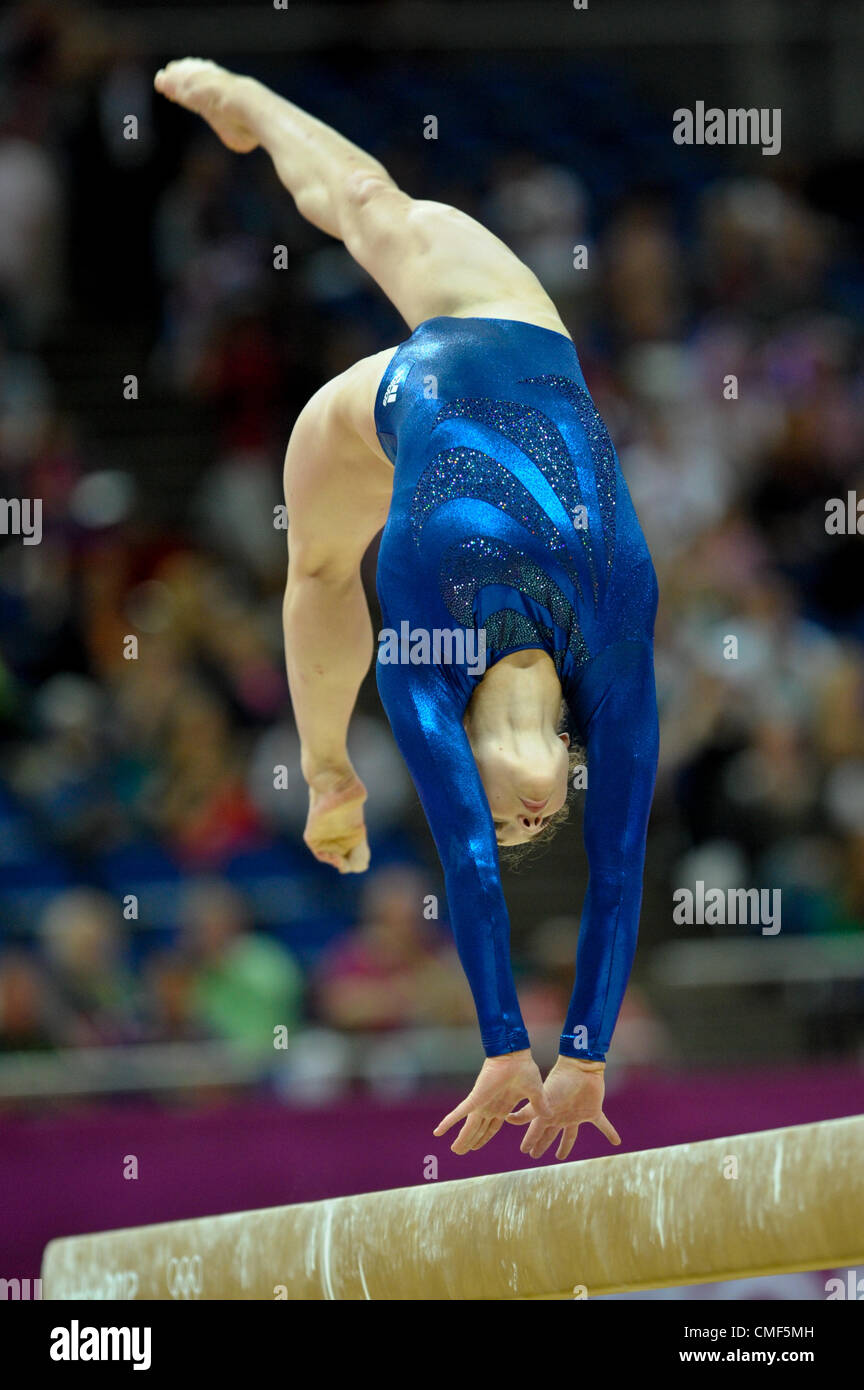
pixel 476 446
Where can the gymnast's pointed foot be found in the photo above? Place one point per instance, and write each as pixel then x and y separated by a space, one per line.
pixel 335 830
pixel 231 104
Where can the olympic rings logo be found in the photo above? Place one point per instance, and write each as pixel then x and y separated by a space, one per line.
pixel 185 1276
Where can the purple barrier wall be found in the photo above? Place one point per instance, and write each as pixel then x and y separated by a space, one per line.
pixel 63 1173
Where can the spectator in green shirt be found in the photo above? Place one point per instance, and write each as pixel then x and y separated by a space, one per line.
pixel 244 984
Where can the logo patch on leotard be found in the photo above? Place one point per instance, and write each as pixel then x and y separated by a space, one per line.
pixel 395 382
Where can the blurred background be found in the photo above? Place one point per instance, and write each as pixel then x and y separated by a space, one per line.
pixel 180 982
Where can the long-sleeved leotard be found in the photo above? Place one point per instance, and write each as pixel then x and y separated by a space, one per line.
pixel 510 515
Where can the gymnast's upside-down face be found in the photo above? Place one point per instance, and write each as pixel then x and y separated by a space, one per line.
pixel 525 780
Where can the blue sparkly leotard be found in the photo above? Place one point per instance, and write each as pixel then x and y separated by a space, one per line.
pixel 510 514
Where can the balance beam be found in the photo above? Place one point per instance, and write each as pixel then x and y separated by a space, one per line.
pixel 779 1201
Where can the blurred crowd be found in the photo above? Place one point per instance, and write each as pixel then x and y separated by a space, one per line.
pixel 222 980
pixel 152 881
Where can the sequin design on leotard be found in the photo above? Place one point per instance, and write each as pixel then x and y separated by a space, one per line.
pixel 497 447
pixel 601 448
pixel 540 442
pixel 468 566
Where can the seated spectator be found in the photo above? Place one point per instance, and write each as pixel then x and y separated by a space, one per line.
pixel 82 937
pixel 243 984
pixel 30 1017
pixel 396 969
pixel 168 1002
pixel 199 801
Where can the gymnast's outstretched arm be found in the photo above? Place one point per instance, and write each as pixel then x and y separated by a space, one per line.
pixel 426 720
pixel 619 704
pixel 337 492
pixel 616 706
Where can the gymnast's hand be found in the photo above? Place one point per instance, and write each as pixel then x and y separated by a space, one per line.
pixel 335 830
pixel 503 1082
pixel 574 1096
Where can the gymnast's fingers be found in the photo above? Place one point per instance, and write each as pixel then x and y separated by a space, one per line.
pixel 523 1116
pixel 606 1127
pixel 326 857
pixel 547 1137
pixel 489 1133
pixel 568 1139
pixel 535 1128
pixel 472 1127
pixel 453 1118
pixel 497 1124
pixel 534 1135
pixel 480 1139
pixel 358 859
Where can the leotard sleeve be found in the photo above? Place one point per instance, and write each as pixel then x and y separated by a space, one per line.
pixel 617 708
pixel 425 716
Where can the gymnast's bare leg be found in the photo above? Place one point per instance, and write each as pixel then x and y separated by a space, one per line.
pixel 429 259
